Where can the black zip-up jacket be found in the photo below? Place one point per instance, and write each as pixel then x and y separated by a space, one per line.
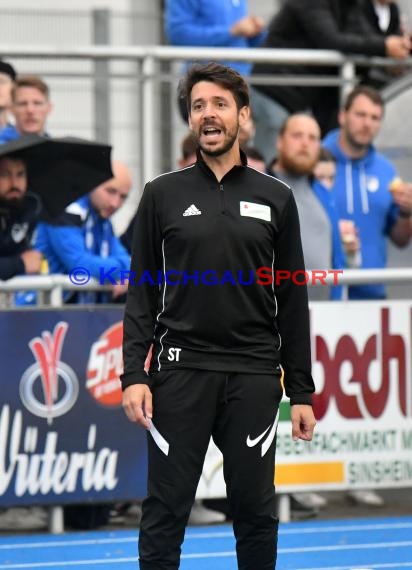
pixel 379 77
pixel 371 17
pixel 315 24
pixel 189 223
pixel 16 231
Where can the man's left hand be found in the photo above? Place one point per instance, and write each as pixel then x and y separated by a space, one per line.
pixel 303 422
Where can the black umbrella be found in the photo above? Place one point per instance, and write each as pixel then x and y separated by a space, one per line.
pixel 60 170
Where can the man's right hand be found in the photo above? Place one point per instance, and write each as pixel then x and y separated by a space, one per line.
pixel 32 261
pixel 398 47
pixel 248 27
pixel 137 403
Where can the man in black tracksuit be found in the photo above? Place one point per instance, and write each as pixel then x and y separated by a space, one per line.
pixel 220 330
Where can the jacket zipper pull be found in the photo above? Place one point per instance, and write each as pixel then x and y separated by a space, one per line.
pixel 222 198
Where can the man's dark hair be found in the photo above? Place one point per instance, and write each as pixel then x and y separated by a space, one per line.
pixel 189 145
pixel 7 69
pixel 369 92
pixel 16 156
pixel 217 73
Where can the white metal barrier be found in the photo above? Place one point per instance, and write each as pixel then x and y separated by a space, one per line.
pixel 149 74
pixel 55 285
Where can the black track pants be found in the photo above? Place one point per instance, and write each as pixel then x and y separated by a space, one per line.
pixel 240 412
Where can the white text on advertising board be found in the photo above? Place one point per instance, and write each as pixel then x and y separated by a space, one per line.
pixel 47 470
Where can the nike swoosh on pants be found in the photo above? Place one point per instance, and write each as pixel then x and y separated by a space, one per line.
pixel 253 442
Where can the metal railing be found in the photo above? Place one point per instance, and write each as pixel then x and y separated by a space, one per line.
pixel 56 285
pixel 149 74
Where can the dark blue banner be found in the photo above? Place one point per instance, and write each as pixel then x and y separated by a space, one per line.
pixel 64 437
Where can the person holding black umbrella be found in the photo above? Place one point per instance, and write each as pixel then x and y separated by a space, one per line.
pixel 31 169
pixel 61 169
pixel 19 210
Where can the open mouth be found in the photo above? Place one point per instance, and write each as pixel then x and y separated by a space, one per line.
pixel 211 132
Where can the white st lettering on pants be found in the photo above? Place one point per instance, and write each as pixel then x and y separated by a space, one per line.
pixel 174 354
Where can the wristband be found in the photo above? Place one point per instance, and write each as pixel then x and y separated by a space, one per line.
pixel 404 214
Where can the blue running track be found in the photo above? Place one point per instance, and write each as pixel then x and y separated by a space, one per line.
pixel 362 544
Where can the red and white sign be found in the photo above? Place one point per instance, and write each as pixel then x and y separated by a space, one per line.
pixel 105 367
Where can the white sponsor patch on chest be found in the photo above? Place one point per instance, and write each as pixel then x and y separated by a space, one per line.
pixel 251 210
pixel 19 231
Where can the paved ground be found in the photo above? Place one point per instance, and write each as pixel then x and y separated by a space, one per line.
pixel 397 503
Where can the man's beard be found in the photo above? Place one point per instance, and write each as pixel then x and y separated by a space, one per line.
pixel 300 168
pixel 358 146
pixel 230 141
pixel 15 204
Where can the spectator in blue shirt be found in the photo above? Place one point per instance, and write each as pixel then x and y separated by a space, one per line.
pixel 213 23
pixel 31 107
pixel 363 182
pixel 83 236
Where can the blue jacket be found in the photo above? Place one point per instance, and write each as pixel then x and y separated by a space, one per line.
pixel 8 133
pixel 81 238
pixel 206 23
pixel 362 194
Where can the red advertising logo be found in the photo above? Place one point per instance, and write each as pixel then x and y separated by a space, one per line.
pixel 105 367
pixel 386 350
pixel 49 388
